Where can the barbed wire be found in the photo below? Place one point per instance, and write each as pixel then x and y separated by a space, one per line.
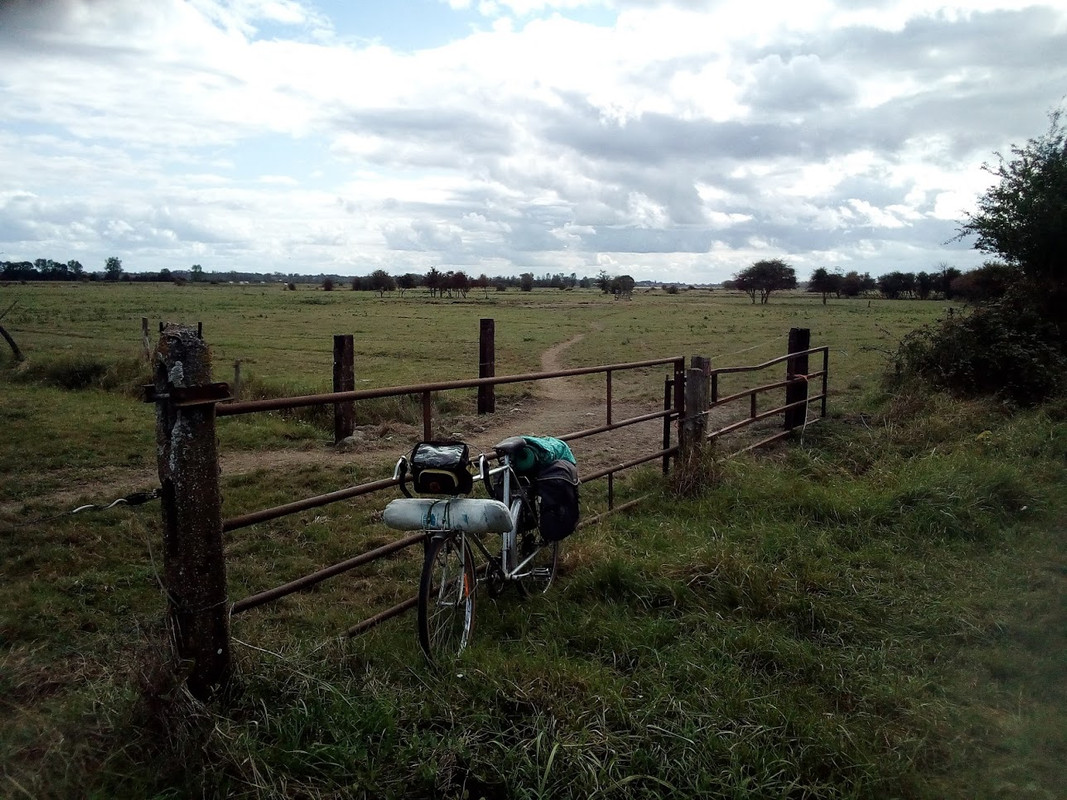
pixel 765 342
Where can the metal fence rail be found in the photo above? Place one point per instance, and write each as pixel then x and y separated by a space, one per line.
pixel 668 414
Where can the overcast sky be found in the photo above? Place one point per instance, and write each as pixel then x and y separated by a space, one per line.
pixel 671 140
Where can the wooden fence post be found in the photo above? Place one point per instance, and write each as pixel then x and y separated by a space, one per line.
pixel 237 379
pixel 194 567
pixel 487 366
pixel 146 342
pixel 692 441
pixel 344 380
pixel 799 341
pixel 695 424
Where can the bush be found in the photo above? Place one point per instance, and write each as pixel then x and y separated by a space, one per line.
pixel 989 282
pixel 1005 349
pixel 124 375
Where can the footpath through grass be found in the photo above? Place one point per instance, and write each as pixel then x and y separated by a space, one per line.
pixel 876 612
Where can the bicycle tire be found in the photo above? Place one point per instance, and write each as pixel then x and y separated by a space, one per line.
pixel 446 599
pixel 541 572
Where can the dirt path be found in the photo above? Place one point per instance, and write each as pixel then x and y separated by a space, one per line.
pixel 559 406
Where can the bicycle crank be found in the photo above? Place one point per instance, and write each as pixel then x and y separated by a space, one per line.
pixel 494 578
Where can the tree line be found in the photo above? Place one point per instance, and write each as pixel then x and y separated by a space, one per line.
pixel 988 282
pixel 439 283
pixel 759 281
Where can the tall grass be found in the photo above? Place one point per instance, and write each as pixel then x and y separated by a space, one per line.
pixel 842 619
pixel 873 612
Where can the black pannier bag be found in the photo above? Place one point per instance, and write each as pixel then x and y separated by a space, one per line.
pixel 557 487
pixel 441 468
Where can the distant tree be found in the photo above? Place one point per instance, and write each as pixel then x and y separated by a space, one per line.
pixel 113 269
pixel 327 285
pixel 433 281
pixel 165 276
pixel 1023 219
pixel 196 272
pixel 765 277
pixel 825 283
pixel 895 285
pixel 381 282
pixel 603 282
pixel 853 284
pixel 925 283
pixel 990 281
pixel 946 275
pixel 408 280
pixel 622 287
pixel 482 282
pixel 76 270
pixel 459 282
pixel 526 282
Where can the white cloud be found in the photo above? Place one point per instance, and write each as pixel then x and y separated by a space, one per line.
pixel 682 138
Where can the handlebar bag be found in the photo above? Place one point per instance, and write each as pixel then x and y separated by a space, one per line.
pixel 441 468
pixel 557 488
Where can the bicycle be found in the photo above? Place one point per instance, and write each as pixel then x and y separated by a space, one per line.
pixel 454 528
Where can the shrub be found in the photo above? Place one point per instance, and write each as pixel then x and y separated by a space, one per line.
pixel 124 375
pixel 1006 349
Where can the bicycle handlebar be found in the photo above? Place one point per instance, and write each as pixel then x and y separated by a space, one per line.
pixel 400 471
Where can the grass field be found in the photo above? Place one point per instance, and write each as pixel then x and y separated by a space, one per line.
pixel 878 612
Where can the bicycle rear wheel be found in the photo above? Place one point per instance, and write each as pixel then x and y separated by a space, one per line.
pixel 446 598
pixel 537 576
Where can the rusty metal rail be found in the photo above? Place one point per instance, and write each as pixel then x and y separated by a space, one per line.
pixel 308 581
pixel 824 373
pixel 791 382
pixel 673 411
pixel 330 398
pixel 668 414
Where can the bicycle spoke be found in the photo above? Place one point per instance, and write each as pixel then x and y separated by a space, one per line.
pixel 446 599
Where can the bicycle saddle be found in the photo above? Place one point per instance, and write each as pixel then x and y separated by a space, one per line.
pixel 510 446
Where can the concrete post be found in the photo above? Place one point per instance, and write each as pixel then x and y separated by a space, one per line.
pixel 194 568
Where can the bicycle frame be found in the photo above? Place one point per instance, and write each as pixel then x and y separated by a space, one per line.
pixel 508 540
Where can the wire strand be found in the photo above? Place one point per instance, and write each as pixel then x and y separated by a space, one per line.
pixel 132 499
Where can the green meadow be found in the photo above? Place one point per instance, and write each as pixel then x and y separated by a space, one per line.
pixel 874 611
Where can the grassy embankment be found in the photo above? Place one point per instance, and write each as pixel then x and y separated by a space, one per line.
pixel 878 612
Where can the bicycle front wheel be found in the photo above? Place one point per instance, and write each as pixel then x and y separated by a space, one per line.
pixel 537 576
pixel 446 598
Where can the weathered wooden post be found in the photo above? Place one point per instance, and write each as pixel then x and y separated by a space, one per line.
pixel 692 441
pixel 796 366
pixel 344 380
pixel 194 568
pixel 487 366
pixel 146 342
pixel 237 379
pixel 695 424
